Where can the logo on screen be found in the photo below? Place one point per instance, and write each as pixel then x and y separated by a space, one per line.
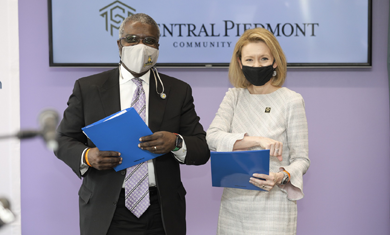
pixel 114 13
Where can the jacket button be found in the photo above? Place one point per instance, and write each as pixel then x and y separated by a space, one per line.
pixel 123 172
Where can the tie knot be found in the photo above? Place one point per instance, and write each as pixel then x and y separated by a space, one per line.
pixel 137 81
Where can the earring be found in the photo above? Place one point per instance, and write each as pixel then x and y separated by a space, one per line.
pixel 274 74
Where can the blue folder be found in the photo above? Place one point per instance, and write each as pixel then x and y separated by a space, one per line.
pixel 121 132
pixel 234 169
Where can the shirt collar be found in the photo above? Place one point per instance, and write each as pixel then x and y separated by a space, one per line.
pixel 126 76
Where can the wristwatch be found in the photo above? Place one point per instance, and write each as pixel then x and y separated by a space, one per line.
pixel 178 142
pixel 285 178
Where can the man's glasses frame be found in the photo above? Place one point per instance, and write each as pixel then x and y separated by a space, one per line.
pixel 135 39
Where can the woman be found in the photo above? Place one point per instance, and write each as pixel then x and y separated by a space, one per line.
pixel 260 114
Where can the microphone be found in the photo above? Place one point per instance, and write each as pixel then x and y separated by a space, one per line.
pixel 48 120
pixel 6 215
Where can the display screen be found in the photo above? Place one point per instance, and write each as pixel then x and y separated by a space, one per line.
pixel 203 33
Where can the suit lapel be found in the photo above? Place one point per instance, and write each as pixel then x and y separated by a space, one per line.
pixel 110 93
pixel 156 103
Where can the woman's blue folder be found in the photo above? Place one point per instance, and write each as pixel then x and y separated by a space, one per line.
pixel 234 169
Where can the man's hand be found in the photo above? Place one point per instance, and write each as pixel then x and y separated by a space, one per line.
pixel 103 160
pixel 159 142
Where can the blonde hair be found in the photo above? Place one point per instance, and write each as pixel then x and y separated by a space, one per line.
pixel 237 78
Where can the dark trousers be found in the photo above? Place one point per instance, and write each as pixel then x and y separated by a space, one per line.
pixel 125 223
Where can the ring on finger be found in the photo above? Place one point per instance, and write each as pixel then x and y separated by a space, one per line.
pixel 155 148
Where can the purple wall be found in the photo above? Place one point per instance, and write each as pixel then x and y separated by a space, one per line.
pixel 346 188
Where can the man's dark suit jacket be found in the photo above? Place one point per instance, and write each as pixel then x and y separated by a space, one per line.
pixel 96 97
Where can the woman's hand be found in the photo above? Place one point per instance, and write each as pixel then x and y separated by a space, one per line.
pixel 266 182
pixel 275 147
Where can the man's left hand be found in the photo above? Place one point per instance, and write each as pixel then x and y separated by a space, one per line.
pixel 159 142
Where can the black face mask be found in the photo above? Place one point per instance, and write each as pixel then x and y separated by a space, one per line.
pixel 258 76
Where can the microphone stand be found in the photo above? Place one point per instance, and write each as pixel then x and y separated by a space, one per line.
pixel 28 134
pixel 23 134
pixel 47 117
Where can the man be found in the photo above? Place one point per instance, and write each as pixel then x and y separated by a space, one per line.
pixel 166 105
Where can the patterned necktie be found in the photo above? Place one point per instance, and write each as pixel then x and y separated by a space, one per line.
pixel 137 181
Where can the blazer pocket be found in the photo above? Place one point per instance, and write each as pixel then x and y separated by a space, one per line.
pixel 85 194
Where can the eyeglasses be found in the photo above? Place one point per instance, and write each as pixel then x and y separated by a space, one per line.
pixel 134 39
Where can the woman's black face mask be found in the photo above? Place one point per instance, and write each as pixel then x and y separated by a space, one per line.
pixel 258 76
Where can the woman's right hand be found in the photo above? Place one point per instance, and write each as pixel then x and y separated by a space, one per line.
pixel 275 147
